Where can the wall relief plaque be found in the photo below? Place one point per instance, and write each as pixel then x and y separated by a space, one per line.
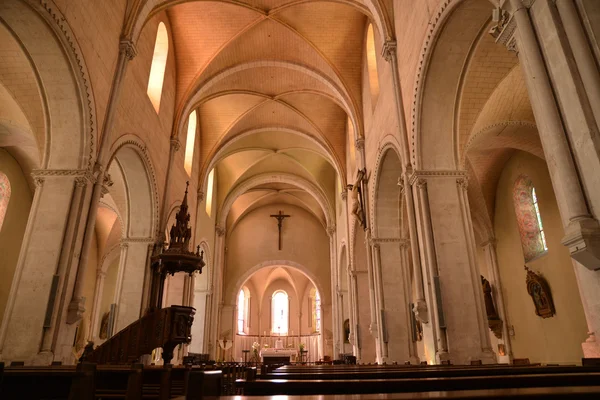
pixel 538 289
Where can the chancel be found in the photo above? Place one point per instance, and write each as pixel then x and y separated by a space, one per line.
pixel 432 167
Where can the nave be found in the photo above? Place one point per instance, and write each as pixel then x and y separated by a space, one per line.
pixel 406 185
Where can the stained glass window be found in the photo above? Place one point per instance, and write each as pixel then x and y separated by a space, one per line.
pixel 529 219
pixel 279 313
pixel 4 196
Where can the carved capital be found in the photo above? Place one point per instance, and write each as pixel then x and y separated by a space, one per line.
pixel 81 181
pixel 331 230
pixel 388 50
pixel 100 274
pixel 401 183
pixel 504 28
pixel 200 195
pixel 462 183
pixel 359 144
pixel 128 48
pixel 421 183
pixel 220 231
pixel 175 144
pixel 75 310
pixel 124 244
pixel 106 183
pixel 39 181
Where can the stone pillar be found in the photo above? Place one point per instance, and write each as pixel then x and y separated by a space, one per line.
pixel 95 317
pixel 217 289
pixel 336 324
pixel 563 136
pixel 127 52
pixel 133 268
pixel 35 297
pixel 395 300
pixel 489 248
pixel 460 326
pixel 389 53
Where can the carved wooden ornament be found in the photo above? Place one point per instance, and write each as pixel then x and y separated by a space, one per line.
pixel 538 289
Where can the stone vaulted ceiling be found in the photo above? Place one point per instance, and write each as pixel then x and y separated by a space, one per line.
pixel 274 83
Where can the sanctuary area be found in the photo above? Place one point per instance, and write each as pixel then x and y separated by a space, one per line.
pixel 299 197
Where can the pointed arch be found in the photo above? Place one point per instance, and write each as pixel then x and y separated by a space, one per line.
pixel 4 196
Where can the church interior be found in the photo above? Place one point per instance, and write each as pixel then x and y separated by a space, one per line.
pixel 277 187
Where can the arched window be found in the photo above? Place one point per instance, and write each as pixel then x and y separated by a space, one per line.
pixel 189 143
pixel 372 66
pixel 159 64
pixel 209 195
pixel 4 196
pixel 243 310
pixel 533 239
pixel 317 312
pixel 279 313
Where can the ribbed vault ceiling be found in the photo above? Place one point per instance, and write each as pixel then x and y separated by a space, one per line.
pixel 274 84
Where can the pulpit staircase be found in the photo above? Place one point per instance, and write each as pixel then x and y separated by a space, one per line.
pixel 159 327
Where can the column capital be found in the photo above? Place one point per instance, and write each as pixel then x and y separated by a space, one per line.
pixel 462 183
pixel 127 48
pixel 175 144
pixel 489 241
pixel 359 144
pixel 200 195
pixel 344 194
pixel 220 230
pixel 504 27
pixel 106 183
pixel 100 274
pixel 331 230
pixel 388 51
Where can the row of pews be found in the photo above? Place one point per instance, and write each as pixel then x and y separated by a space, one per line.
pixel 428 381
pixel 88 381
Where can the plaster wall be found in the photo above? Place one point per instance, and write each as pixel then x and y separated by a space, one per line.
pixel 254 240
pixel 556 339
pixel 13 227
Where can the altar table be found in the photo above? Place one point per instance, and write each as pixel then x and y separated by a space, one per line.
pixel 278 355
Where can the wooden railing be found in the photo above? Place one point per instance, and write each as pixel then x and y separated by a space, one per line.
pixel 166 328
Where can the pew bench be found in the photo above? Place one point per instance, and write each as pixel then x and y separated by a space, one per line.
pixel 374 386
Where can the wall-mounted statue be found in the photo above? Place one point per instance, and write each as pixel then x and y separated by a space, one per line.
pixel 356 196
pixel 538 289
pixel 346 331
pixel 494 321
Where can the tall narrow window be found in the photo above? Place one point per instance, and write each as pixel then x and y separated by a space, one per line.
pixel 372 66
pixel 279 313
pixel 241 312
pixel 4 196
pixel 209 195
pixel 317 312
pixel 159 64
pixel 189 143
pixel 531 230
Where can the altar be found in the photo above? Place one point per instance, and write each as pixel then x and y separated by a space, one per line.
pixel 273 356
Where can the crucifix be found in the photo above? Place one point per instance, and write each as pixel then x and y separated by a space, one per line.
pixel 280 218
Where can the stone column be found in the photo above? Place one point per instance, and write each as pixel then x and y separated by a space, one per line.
pixel 489 248
pixel 460 326
pixel 389 52
pixel 95 317
pixel 40 277
pixel 395 300
pixel 561 134
pixel 133 266
pixel 379 301
pixel 335 317
pixel 127 52
pixel 217 288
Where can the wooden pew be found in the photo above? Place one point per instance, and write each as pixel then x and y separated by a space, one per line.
pixel 543 393
pixel 346 386
pixel 59 382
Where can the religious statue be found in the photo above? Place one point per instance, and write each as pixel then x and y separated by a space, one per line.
pixel 538 289
pixel 346 331
pixel 494 321
pixel 104 326
pixel 357 200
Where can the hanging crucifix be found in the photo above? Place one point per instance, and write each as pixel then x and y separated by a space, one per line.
pixel 280 218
